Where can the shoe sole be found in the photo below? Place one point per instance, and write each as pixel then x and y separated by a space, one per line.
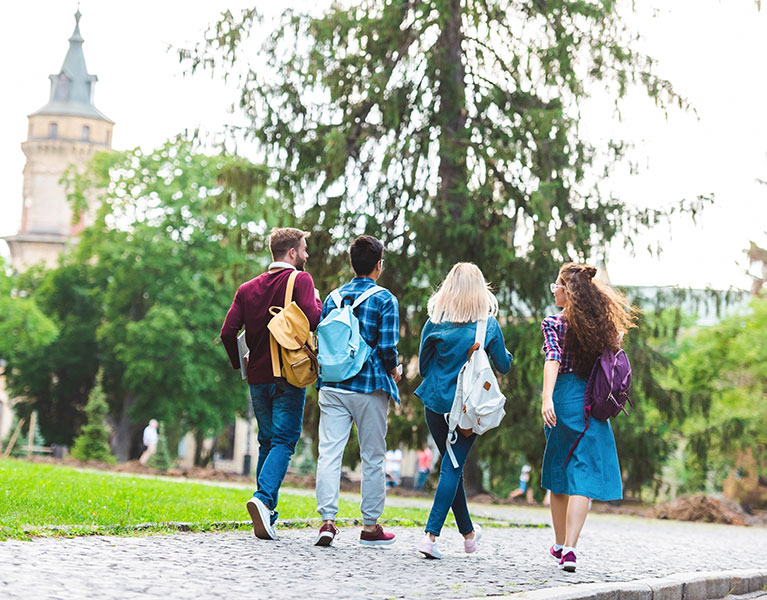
pixel 259 528
pixel 430 556
pixel 377 542
pixel 324 539
pixel 569 567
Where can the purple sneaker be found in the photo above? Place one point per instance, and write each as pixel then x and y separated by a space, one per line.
pixel 557 554
pixel 568 562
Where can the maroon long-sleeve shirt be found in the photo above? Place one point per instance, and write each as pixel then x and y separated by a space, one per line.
pixel 251 309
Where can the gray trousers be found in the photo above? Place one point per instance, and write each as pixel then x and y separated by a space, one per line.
pixel 338 410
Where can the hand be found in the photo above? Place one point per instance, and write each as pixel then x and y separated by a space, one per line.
pixel 317 293
pixel 547 411
pixel 396 373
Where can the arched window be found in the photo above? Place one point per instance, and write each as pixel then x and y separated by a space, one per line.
pixel 53 130
pixel 86 133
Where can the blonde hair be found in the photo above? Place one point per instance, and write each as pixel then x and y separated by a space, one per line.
pixel 463 297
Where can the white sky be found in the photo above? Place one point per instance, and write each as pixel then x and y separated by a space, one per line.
pixel 715 53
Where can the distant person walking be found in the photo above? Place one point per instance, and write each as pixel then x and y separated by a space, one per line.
pixel 278 405
pixel 463 299
pixel 393 467
pixel 150 441
pixel 424 466
pixel 594 318
pixel 524 485
pixel 362 398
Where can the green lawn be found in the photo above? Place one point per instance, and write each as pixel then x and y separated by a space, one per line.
pixel 34 497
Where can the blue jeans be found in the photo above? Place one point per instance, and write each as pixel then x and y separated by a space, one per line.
pixel 450 492
pixel 279 410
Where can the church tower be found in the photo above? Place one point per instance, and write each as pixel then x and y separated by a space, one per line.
pixel 68 130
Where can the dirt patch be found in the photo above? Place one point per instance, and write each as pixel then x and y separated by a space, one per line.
pixel 703 508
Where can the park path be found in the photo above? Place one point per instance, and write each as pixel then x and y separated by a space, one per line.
pixel 237 565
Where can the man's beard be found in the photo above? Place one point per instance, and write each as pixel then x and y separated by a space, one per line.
pixel 300 266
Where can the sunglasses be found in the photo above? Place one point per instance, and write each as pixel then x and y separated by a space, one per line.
pixel 553 287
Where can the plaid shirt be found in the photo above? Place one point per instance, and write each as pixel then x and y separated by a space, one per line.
pixel 379 327
pixel 554 329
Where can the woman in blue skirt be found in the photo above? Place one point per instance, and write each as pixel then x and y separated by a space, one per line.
pixel 594 318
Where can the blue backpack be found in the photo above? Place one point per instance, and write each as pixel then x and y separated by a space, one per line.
pixel 342 350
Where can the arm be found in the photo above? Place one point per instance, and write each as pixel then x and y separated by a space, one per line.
pixel 496 347
pixel 550 372
pixel 553 352
pixel 307 300
pixel 388 335
pixel 426 350
pixel 232 325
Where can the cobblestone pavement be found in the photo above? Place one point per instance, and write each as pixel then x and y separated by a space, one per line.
pixel 237 565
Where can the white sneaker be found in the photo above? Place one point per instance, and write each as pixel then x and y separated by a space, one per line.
pixel 471 545
pixel 261 517
pixel 429 548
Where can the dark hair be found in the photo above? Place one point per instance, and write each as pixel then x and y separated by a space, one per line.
pixel 364 253
pixel 596 315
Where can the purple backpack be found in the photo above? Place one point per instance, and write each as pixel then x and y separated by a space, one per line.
pixel 607 390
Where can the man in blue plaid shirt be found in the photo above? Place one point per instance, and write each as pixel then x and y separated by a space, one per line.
pixel 362 400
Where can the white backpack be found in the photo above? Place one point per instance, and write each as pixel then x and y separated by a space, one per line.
pixel 478 401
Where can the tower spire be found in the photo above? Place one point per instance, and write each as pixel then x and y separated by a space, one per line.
pixel 72 87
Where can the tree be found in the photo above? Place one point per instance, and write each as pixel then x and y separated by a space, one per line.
pixel 24 328
pixel 143 294
pixel 450 130
pixel 54 378
pixel 171 242
pixel 93 441
pixel 722 376
pixel 161 459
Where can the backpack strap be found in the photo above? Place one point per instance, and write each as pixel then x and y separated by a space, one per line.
pixel 336 296
pixel 479 337
pixel 289 288
pixel 274 348
pixel 275 352
pixel 366 294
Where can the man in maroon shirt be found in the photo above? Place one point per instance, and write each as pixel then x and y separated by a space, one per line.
pixel 278 405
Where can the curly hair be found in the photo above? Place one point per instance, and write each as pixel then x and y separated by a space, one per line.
pixel 596 316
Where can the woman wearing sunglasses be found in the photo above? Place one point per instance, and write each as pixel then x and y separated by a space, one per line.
pixel 593 318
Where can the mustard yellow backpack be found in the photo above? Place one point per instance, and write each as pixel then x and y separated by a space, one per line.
pixel 294 354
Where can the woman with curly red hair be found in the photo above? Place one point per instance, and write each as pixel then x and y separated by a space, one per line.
pixel 594 318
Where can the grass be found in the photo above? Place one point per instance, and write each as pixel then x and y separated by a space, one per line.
pixel 35 498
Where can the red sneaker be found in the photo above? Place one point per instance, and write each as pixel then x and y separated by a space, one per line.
pixel 377 537
pixel 327 534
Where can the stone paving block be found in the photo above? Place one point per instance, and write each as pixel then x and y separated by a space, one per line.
pixel 743 582
pixel 634 591
pixel 554 593
pixel 665 588
pixel 718 586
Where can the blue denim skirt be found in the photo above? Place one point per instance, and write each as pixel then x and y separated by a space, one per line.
pixel 593 470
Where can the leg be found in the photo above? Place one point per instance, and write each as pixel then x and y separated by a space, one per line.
pixel 577 510
pixel 450 492
pixel 559 517
pixel 287 416
pixel 261 396
pixel 369 412
pixel 334 428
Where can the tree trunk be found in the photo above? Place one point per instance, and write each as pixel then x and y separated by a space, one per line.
pixel 452 110
pixel 472 476
pixel 123 431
